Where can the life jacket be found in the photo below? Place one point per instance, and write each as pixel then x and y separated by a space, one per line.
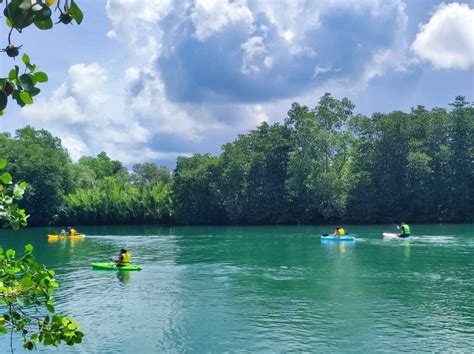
pixel 341 232
pixel 125 259
pixel 72 232
pixel 405 229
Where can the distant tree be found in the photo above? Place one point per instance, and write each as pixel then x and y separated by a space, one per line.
pixel 318 169
pixel 38 157
pixel 195 190
pixel 150 173
pixel 101 165
pixel 253 174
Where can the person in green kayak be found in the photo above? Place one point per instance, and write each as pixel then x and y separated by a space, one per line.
pixel 405 230
pixel 123 259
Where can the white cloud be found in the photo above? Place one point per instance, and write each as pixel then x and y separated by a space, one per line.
pixel 90 116
pixel 130 111
pixel 321 70
pixel 75 146
pixel 211 16
pixel 255 56
pixel 135 23
pixel 152 106
pixel 447 40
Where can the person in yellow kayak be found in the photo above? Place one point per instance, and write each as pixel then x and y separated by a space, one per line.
pixel 71 231
pixel 339 232
pixel 123 259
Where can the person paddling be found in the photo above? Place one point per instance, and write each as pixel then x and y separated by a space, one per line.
pixel 339 232
pixel 405 230
pixel 123 259
pixel 71 231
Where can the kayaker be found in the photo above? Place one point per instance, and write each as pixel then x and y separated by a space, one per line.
pixel 71 231
pixel 405 230
pixel 339 232
pixel 63 233
pixel 123 259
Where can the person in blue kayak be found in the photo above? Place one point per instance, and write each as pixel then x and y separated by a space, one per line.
pixel 123 259
pixel 405 230
pixel 339 232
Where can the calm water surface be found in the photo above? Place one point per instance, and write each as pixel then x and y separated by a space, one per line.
pixel 264 289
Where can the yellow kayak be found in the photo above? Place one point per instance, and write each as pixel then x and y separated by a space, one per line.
pixel 66 237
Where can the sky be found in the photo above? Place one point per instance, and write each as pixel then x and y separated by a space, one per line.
pixel 147 81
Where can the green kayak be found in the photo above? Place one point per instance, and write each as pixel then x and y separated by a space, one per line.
pixel 112 266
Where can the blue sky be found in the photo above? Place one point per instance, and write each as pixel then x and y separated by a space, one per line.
pixel 152 80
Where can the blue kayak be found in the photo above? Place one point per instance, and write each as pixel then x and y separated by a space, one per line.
pixel 336 238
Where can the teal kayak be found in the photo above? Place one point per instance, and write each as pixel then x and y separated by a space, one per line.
pixel 335 238
pixel 112 266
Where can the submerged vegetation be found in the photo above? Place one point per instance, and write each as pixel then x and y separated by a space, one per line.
pixel 322 164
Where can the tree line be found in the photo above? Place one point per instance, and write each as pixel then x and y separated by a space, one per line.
pixel 321 165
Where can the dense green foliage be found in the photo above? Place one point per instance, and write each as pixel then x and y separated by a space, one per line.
pixel 26 293
pixel 327 165
pixel 10 214
pixel 321 165
pixel 38 157
pixel 115 201
pixel 27 287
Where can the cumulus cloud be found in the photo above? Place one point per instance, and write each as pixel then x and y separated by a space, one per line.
pixel 447 40
pixel 272 53
pixel 211 16
pixel 90 116
pixel 196 73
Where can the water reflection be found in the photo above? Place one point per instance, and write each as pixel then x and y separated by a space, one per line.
pixel 340 246
pixel 123 277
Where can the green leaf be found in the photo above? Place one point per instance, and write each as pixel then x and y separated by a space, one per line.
pixel 25 97
pixel 23 185
pixel 25 58
pixel 6 178
pixel 27 83
pixel 76 12
pixel 28 248
pixel 40 76
pixel 44 24
pixel 28 345
pixel 10 253
pixel 3 164
pixel 9 23
pixel 26 281
pixel 12 74
pixel 34 91
pixel 3 100
pixel 50 308
pixel 3 330
pixel 20 13
pixel 17 98
pixel 48 340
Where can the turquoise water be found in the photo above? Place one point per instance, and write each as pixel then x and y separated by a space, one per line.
pixel 268 289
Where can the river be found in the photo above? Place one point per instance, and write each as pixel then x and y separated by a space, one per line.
pixel 273 289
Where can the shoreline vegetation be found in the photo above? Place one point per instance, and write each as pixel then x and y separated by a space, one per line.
pixel 322 165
